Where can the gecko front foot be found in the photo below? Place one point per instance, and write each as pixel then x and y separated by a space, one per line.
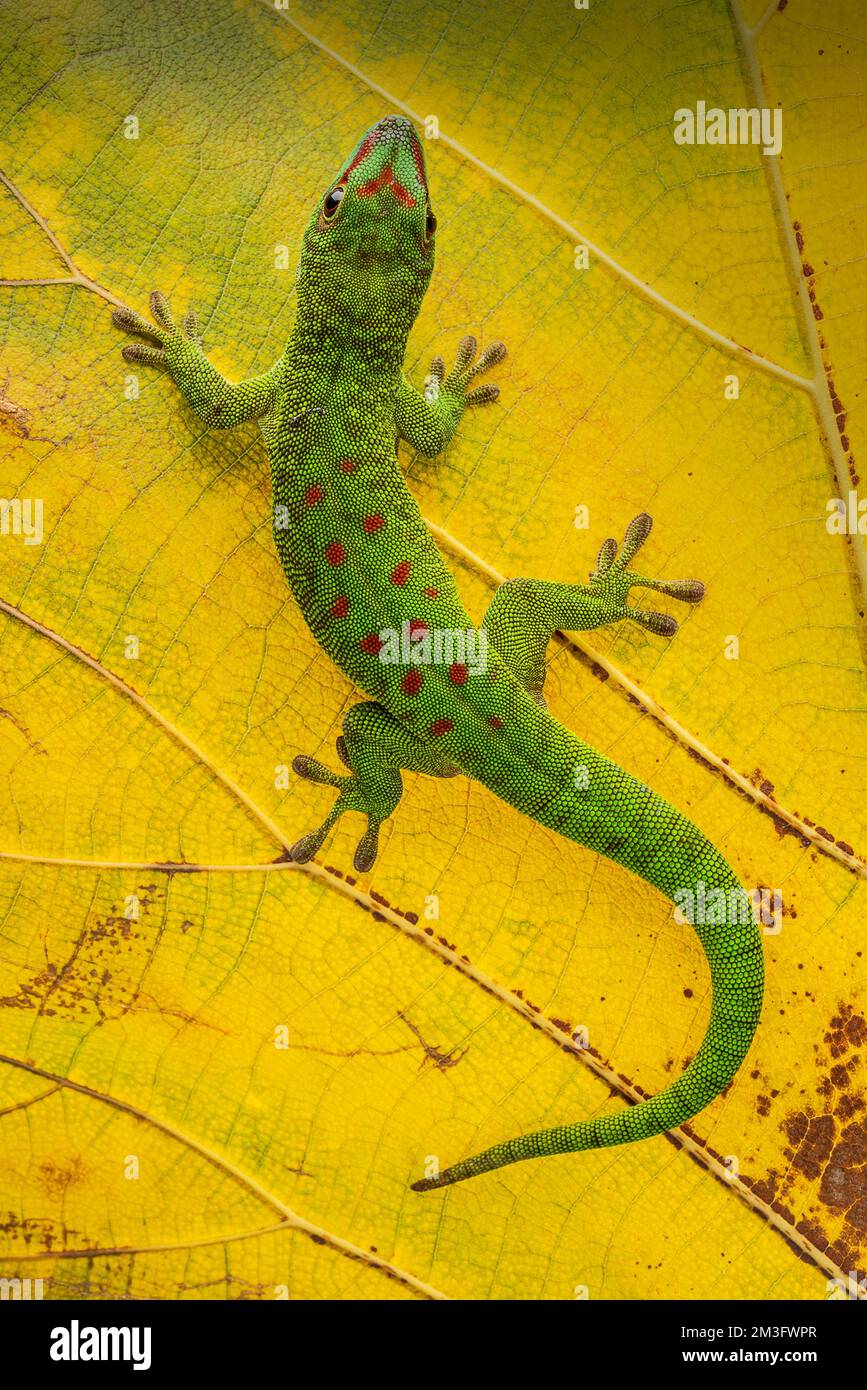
pixel 457 387
pixel 375 797
pixel 612 580
pixel 165 345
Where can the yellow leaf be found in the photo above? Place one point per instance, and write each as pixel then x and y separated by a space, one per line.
pixel 220 1072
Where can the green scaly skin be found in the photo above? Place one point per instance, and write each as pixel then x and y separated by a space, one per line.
pixel 361 562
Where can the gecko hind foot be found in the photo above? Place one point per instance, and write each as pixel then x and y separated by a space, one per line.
pixel 612 579
pixel 376 800
pixel 374 746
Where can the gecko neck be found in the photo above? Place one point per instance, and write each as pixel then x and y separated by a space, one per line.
pixel 328 355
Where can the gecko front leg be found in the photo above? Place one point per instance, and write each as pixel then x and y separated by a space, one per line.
pixel 427 420
pixel 214 399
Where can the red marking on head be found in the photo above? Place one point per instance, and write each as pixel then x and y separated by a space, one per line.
pixel 417 627
pixel 458 674
pixel 372 524
pixel 400 573
pixel 372 644
pixel 347 466
pixel 364 149
pixel 313 495
pixel 431 593
pixel 335 553
pixel 441 726
pixel 495 721
pixel 386 179
pixel 373 185
pixel 340 607
pixel 403 195
pixel 412 682
pixel 419 162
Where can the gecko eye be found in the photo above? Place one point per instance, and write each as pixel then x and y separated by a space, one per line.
pixel 333 201
pixel 430 226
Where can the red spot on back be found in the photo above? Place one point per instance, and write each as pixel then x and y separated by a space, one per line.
pixel 495 721
pixel 372 644
pixel 347 466
pixel 441 726
pixel 400 573
pixel 416 627
pixel 340 607
pixel 432 593
pixel 372 524
pixel 335 554
pixel 458 674
pixel 412 682
pixel 313 495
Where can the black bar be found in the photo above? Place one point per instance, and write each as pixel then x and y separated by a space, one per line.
pixel 240 1337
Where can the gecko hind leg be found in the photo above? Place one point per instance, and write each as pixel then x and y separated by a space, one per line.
pixel 524 614
pixel 375 747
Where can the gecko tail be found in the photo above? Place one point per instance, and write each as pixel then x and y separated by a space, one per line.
pixel 734 951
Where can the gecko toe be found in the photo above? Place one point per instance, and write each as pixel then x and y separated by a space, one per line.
pixel 131 322
pixel 637 532
pixel 314 771
pixel 660 623
pixel 482 395
pixel 687 590
pixel 161 311
pixel 493 353
pixel 367 850
pixel 304 849
pixel 140 352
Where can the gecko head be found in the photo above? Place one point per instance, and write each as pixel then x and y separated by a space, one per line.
pixel 369 246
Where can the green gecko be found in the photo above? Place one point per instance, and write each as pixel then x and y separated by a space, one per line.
pixel 363 567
